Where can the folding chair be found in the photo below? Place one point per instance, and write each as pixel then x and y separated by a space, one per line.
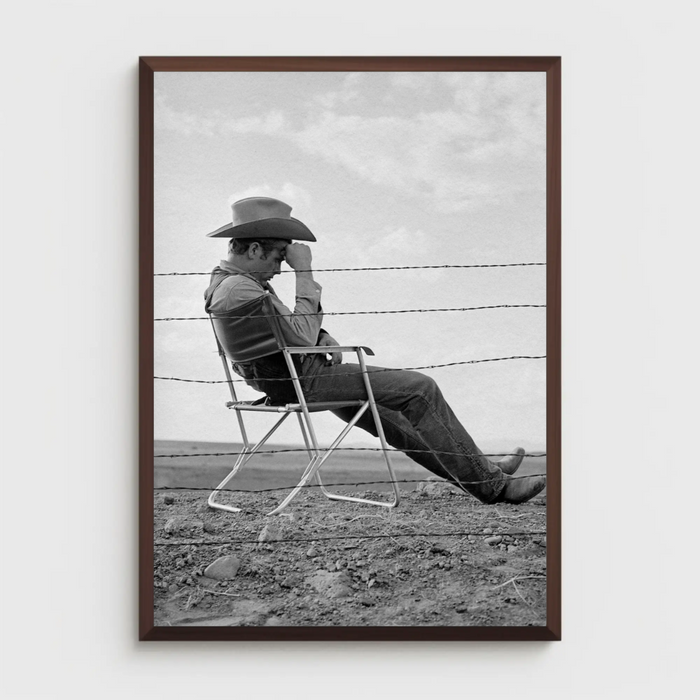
pixel 253 331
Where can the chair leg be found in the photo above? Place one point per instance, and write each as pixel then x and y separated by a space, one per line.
pixel 354 499
pixel 309 447
pixel 304 434
pixel 319 459
pixel 387 459
pixel 244 456
pixel 380 429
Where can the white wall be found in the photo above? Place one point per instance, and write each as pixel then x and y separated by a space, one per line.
pixel 69 253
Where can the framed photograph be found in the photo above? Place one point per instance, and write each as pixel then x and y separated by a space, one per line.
pixel 350 348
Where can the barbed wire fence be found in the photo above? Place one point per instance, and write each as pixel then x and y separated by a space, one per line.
pixel 316 538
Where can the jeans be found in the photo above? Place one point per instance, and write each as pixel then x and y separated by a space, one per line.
pixel 415 417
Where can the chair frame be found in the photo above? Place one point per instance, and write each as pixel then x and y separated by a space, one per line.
pixel 303 409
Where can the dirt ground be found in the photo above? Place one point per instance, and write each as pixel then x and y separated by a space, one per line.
pixel 439 559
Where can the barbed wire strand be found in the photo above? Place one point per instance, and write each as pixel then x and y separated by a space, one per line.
pixel 363 313
pixel 373 269
pixel 369 371
pixel 355 483
pixel 298 540
pixel 352 449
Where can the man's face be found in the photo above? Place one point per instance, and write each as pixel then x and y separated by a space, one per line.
pixel 265 267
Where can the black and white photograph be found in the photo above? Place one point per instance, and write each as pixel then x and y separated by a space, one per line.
pixel 350 418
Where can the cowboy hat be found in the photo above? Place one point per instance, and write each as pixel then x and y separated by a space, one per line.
pixel 263 217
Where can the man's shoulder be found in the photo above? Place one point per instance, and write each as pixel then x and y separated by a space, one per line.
pixel 235 290
pixel 234 280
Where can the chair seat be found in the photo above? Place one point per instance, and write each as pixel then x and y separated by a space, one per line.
pixel 290 407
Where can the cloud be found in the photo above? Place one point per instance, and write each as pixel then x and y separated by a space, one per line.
pixel 391 247
pixel 349 92
pixel 453 161
pixel 391 243
pixel 288 192
pixel 485 144
pixel 413 81
pixel 269 124
pixel 168 119
pixel 215 124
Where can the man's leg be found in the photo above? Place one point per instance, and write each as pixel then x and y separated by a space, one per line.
pixel 399 433
pixel 433 424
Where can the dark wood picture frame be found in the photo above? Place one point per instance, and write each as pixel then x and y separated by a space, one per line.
pixel 147 68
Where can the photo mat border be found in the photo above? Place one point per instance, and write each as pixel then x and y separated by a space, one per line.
pixel 148 66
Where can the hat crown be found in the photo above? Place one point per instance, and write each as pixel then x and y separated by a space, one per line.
pixel 246 211
pixel 263 217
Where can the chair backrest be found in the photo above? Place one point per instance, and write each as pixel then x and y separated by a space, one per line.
pixel 250 331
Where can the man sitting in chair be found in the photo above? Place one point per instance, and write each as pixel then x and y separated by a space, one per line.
pixel 415 417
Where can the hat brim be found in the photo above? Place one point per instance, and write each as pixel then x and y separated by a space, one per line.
pixel 286 229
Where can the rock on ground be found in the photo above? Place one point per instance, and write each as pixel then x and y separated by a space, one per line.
pixel 181 526
pixel 223 568
pixel 333 584
pixel 434 485
pixel 270 533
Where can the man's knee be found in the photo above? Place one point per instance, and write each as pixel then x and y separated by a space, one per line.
pixel 421 384
pixel 427 383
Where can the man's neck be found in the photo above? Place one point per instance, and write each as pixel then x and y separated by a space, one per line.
pixel 245 266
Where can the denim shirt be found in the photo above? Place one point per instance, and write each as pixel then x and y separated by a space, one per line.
pixel 231 287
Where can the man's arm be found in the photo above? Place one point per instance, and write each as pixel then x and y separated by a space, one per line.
pixel 298 257
pixel 302 325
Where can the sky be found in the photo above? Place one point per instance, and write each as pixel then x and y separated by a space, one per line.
pixel 387 169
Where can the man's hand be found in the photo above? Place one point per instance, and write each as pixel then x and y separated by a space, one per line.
pixel 336 357
pixel 298 256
